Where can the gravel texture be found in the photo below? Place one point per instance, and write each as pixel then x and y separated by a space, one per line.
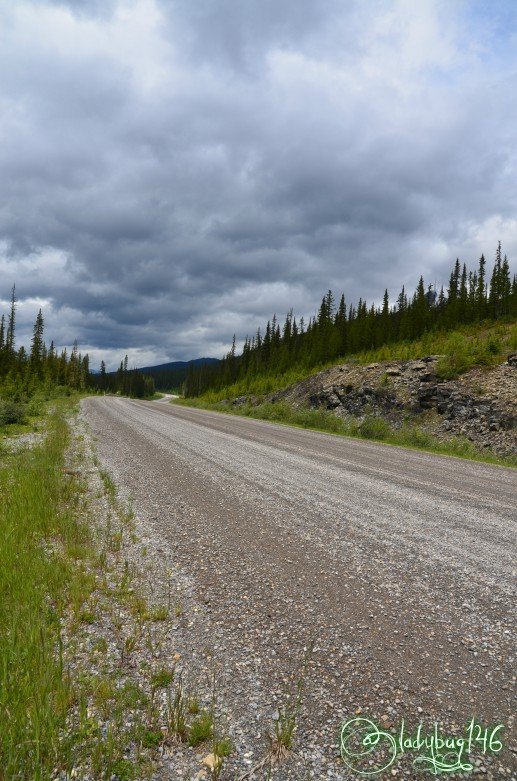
pixel 397 566
pixel 21 441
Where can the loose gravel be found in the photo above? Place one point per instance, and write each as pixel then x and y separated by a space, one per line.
pixel 396 567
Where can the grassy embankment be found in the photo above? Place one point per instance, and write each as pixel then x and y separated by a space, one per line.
pixel 463 349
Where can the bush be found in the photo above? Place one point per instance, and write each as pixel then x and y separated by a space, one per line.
pixel 61 391
pixel 374 428
pixel 319 418
pixel 11 412
pixel 493 346
pixel 35 407
pixel 415 437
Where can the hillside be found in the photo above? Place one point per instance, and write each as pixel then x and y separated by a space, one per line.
pixel 480 405
pixel 172 375
pixel 341 329
pixel 454 393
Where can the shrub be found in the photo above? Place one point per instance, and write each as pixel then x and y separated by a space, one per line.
pixel 374 428
pixel 415 437
pixel 35 406
pixel 11 412
pixel 493 346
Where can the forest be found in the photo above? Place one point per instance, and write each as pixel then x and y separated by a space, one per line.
pixel 340 329
pixel 337 330
pixel 125 381
pixel 28 377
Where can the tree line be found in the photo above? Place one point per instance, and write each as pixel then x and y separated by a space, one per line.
pixel 125 381
pixel 40 369
pixel 44 370
pixel 340 329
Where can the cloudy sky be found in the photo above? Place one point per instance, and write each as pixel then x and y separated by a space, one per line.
pixel 174 171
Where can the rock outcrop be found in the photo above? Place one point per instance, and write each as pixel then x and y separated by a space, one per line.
pixel 480 405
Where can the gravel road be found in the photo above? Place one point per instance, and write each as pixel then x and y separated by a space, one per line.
pixel 399 566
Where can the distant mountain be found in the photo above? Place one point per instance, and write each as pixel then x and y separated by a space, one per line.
pixel 171 376
pixel 173 365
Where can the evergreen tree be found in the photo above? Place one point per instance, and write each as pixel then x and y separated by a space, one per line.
pixel 37 344
pixel 332 334
pixel 102 376
pixel 494 298
pixel 481 290
pixel 22 375
pixel 11 323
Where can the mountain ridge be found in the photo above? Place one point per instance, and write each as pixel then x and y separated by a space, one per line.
pixel 173 365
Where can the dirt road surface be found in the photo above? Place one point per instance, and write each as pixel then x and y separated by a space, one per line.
pixel 398 566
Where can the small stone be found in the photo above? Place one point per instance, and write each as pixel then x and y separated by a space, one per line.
pixel 212 761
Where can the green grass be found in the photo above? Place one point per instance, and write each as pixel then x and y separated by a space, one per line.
pixel 159 613
pixel 38 520
pixel 201 729
pixel 484 344
pixel 30 411
pixel 161 679
pixel 223 747
pixel 29 424
pixel 59 573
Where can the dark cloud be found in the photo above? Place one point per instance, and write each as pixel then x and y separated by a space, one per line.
pixel 174 172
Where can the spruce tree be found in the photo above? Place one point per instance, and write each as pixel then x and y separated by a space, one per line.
pixel 481 290
pixel 37 341
pixel 11 323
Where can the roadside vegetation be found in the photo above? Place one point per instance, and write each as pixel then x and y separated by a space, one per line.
pixel 34 376
pixel 39 528
pixel 472 323
pixel 482 344
pixel 81 694
pixel 124 382
pixel 31 378
pixel 371 428
pixel 88 683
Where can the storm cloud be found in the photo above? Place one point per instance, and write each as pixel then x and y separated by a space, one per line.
pixel 175 172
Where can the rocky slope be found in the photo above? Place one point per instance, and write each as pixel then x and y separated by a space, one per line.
pixel 480 405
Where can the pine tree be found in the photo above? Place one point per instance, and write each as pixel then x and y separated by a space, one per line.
pixel 102 376
pixel 37 344
pixel 11 323
pixel 384 334
pixel 481 290
pixel 419 310
pixel 513 297
pixel 505 287
pixel 494 298
pixel 331 333
pixel 342 326
pixel 463 296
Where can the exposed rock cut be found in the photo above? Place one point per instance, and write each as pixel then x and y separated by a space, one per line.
pixel 480 405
